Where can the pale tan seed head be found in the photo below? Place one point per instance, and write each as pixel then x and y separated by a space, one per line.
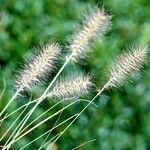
pixel 125 65
pixel 42 64
pixel 95 24
pixel 72 87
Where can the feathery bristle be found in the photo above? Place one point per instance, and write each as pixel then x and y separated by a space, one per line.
pixel 96 24
pixel 39 66
pixel 71 87
pixel 126 64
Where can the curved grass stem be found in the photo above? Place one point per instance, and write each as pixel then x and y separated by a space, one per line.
pixel 8 115
pixel 11 100
pixel 45 120
pixel 100 91
pixel 40 99
pixel 47 132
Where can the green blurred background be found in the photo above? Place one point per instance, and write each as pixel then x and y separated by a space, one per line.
pixel 122 119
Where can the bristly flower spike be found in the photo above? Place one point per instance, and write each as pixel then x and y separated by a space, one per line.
pixel 125 65
pixel 72 87
pixel 97 23
pixel 39 66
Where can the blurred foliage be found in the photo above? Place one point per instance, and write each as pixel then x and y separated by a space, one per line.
pixel 122 119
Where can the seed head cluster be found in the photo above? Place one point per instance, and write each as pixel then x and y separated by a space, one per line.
pixel 97 23
pixel 72 87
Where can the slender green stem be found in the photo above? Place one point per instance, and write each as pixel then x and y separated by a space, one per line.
pixel 49 141
pixel 100 91
pixel 11 100
pixel 87 142
pixel 13 124
pixel 44 94
pixel 48 131
pixel 14 131
pixel 40 116
pixel 8 146
pixel 17 110
pixel 59 72
pixel 18 138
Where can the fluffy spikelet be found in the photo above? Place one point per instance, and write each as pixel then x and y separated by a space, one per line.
pixel 95 24
pixel 72 87
pixel 125 65
pixel 39 66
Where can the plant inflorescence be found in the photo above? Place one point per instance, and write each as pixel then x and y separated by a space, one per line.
pixel 75 86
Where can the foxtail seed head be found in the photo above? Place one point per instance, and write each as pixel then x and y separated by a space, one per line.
pixel 71 87
pixel 39 66
pixel 125 65
pixel 95 24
